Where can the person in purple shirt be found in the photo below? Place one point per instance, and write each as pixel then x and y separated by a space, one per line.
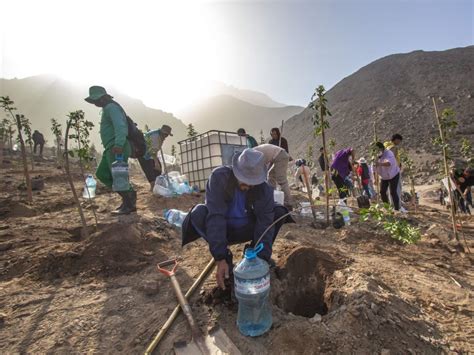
pixel 389 172
pixel 341 168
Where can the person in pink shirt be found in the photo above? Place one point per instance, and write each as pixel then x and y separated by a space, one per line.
pixel 389 173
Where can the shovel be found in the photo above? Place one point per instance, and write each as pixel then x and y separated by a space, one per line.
pixel 216 342
pixel 164 168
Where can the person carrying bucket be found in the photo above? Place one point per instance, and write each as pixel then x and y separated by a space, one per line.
pixel 113 134
pixel 150 163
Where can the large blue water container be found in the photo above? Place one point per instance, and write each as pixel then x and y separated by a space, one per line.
pixel 120 174
pixel 252 290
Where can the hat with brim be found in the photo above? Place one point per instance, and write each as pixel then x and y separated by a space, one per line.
pixel 249 167
pixel 362 161
pixel 95 93
pixel 166 130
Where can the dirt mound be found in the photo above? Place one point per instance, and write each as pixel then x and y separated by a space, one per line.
pixel 346 310
pixel 116 249
pixel 15 209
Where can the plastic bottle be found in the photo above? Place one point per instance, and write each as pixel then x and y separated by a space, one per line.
pixel 252 290
pixel 120 174
pixel 346 215
pixel 162 181
pixel 89 187
pixel 175 217
pixel 184 188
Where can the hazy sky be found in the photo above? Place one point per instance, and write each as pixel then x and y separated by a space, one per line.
pixel 165 53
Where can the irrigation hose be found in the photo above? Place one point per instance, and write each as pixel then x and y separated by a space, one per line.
pixel 177 309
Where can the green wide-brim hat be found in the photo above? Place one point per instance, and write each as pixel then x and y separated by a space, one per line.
pixel 95 93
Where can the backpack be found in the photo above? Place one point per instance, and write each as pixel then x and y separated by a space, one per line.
pixel 135 137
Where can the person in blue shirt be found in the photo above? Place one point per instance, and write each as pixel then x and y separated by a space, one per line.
pixel 149 163
pixel 239 207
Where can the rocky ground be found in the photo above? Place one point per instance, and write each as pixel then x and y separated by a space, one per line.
pixel 352 290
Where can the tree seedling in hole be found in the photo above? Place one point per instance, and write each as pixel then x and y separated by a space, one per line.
pixel 7 106
pixel 319 105
pixel 80 133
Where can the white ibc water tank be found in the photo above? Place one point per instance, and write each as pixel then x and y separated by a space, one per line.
pixel 201 154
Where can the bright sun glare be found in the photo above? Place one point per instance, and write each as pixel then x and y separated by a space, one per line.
pixel 164 53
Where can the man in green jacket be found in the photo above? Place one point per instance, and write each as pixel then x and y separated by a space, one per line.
pixel 113 134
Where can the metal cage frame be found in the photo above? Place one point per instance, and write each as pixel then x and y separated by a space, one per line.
pixel 197 161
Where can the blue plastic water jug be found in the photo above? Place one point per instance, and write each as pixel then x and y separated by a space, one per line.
pixel 252 290
pixel 120 174
pixel 89 187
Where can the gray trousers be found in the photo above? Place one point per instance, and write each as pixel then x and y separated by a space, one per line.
pixel 278 175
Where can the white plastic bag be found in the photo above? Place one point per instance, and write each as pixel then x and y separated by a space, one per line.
pixel 169 159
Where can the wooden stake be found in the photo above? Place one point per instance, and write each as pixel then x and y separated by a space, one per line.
pixel 374 170
pixel 326 163
pixel 281 132
pixel 84 231
pixel 446 170
pixel 310 193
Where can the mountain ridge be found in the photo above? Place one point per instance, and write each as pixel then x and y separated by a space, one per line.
pixel 229 113
pixel 43 97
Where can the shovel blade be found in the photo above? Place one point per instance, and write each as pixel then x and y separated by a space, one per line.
pixel 217 343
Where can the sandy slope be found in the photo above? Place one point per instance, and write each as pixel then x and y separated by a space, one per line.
pixel 63 294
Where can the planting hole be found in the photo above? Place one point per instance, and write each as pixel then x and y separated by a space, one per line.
pixel 301 282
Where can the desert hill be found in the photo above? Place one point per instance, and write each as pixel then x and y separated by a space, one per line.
pixel 395 91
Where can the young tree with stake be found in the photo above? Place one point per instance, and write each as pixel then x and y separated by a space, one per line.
pixel 81 129
pixel 7 106
pixel 409 170
pixel 446 125
pixel 56 128
pixel 25 123
pixel 4 124
pixel 262 137
pixel 319 105
pixel 466 152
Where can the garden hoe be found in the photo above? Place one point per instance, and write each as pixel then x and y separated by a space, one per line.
pixel 216 342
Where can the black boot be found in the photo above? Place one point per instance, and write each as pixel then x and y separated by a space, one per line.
pixel 133 201
pixel 119 208
pixel 129 203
